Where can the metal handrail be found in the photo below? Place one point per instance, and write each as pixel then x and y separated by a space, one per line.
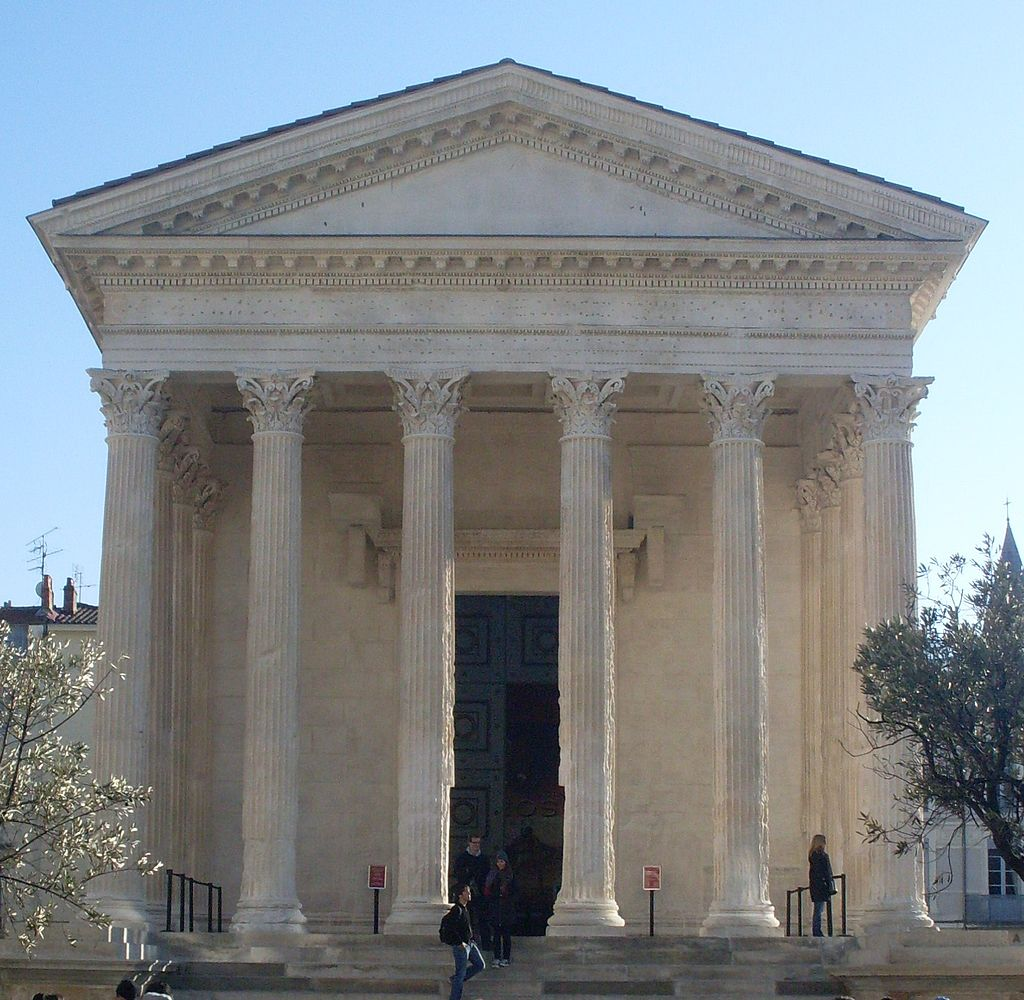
pixel 187 880
pixel 799 893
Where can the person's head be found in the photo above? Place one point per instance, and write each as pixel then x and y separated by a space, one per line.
pixel 126 990
pixel 473 844
pixel 463 894
pixel 817 844
pixel 501 861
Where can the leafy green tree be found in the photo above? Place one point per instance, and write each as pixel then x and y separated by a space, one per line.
pixel 947 684
pixel 60 828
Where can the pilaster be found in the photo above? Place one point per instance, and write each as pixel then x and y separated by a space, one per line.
pixel 277 403
pixel 429 406
pixel 133 406
pixel 586 657
pixel 736 409
pixel 894 898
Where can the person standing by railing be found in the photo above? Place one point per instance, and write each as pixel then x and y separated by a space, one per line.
pixel 820 879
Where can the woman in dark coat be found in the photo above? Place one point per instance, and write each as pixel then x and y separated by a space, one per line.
pixel 820 879
pixel 499 893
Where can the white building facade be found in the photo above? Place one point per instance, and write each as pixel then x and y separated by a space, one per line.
pixel 504 455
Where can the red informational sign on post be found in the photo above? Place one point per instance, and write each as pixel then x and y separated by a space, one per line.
pixel 652 877
pixel 377 877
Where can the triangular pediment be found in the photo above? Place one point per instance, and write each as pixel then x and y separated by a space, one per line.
pixel 505 188
pixel 506 149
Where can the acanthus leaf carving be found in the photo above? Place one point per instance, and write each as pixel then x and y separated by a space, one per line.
pixel 131 402
pixel 429 403
pixel 583 403
pixel 809 500
pixel 208 498
pixel 888 406
pixel 735 405
pixel 848 444
pixel 276 401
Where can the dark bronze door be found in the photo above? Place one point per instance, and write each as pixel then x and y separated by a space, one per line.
pixel 506 741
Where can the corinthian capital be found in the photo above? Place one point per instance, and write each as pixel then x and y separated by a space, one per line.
pixel 808 501
pixel 209 497
pixel 735 405
pixel 188 465
pixel 429 404
pixel 848 444
pixel 888 406
pixel 583 404
pixel 172 432
pixel 276 401
pixel 827 475
pixel 131 402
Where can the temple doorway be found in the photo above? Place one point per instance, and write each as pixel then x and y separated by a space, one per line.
pixel 506 742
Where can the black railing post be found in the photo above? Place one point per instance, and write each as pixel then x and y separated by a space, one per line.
pixel 842 905
pixel 170 895
pixel 181 903
pixel 191 904
pixel 209 907
pixel 220 926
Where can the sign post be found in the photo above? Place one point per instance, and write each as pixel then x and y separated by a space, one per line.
pixel 376 879
pixel 652 883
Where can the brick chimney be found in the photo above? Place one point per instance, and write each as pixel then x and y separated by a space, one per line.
pixel 70 597
pixel 46 592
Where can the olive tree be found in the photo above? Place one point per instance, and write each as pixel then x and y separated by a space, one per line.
pixel 947 683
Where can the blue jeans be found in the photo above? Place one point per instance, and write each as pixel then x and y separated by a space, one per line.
pixel 465 955
pixel 819 908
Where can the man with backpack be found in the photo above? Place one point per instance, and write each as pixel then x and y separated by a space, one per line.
pixel 457 930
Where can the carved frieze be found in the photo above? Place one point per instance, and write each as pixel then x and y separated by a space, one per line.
pixel 429 403
pixel 735 406
pixel 888 406
pixel 131 402
pixel 584 404
pixel 276 401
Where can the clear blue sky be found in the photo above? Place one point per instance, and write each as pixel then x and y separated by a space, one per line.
pixel 924 93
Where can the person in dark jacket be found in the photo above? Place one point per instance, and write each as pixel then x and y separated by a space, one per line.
pixel 468 960
pixel 470 868
pixel 820 879
pixel 499 894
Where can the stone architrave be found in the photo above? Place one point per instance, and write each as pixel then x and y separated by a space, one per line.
pixel 171 431
pixel 586 656
pixel 832 805
pixel 186 467
pixel 133 407
pixel 808 497
pixel 894 890
pixel 429 405
pixel 736 409
pixel 277 403
pixel 208 497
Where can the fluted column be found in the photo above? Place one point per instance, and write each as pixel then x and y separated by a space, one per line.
pixel 133 407
pixel 812 761
pixel 834 812
pixel 849 446
pixel 586 657
pixel 429 406
pixel 736 411
pixel 207 501
pixel 894 896
pixel 176 748
pixel 277 404
pixel 160 659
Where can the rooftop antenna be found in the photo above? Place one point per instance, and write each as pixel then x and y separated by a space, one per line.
pixel 40 549
pixel 78 574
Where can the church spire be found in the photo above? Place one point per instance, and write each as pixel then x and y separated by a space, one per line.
pixel 1009 553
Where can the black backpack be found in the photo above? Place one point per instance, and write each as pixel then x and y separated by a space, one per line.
pixel 449 932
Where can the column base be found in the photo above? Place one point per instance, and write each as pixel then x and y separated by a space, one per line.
pixel 740 921
pixel 269 915
pixel 585 919
pixel 900 915
pixel 416 917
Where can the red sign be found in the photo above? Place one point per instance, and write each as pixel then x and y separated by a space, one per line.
pixel 652 877
pixel 377 877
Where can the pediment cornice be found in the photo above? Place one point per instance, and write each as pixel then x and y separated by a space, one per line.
pixel 674 155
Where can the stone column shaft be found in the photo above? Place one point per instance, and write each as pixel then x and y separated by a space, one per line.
pixel 812 764
pixel 429 406
pixel 277 404
pixel 586 658
pixel 894 896
pixel 133 407
pixel 741 905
